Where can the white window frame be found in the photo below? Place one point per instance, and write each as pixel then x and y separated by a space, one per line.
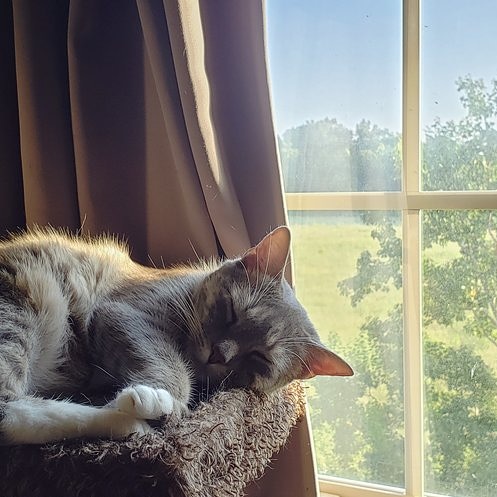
pixel 410 201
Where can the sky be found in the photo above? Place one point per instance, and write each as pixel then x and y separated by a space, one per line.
pixel 342 58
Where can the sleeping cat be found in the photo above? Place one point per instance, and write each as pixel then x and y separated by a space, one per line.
pixel 78 316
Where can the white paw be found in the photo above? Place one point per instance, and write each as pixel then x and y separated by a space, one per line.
pixel 121 425
pixel 145 402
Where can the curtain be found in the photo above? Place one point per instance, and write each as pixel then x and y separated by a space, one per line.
pixel 150 120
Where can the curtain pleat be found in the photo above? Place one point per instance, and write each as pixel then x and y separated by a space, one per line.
pixel 235 65
pixel 182 192
pixel 188 45
pixel 105 60
pixel 12 214
pixel 45 134
pixel 149 119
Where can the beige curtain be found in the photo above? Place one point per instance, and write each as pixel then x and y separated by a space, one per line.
pixel 152 120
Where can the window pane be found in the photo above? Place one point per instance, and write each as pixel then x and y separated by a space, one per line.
pixel 460 351
pixel 347 270
pixel 336 83
pixel 459 95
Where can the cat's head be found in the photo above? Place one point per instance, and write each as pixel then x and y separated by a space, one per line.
pixel 255 333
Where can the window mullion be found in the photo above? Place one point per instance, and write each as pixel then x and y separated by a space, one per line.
pixel 411 98
pixel 413 368
pixel 413 364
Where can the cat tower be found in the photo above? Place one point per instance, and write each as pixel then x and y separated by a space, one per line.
pixel 223 445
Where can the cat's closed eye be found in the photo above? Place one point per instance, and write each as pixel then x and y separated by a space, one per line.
pixel 257 356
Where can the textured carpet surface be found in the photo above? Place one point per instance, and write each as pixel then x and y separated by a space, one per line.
pixel 214 452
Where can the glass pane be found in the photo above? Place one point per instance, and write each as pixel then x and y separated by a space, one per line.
pixel 460 351
pixel 335 71
pixel 348 276
pixel 459 95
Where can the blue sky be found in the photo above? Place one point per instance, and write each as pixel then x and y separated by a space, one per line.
pixel 342 58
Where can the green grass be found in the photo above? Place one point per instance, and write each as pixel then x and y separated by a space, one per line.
pixel 326 254
pixel 323 256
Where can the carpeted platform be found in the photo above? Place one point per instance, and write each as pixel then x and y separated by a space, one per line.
pixel 220 447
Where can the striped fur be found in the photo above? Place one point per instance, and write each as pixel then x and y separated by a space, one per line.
pixel 80 320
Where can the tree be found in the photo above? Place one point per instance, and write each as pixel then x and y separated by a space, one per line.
pixel 316 157
pixel 461 287
pixel 375 158
pixel 324 156
pixel 461 392
pixel 363 436
pixel 463 156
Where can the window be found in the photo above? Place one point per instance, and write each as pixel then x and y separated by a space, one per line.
pixel 386 117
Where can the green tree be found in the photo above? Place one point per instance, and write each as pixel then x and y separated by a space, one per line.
pixel 461 392
pixel 360 435
pixel 375 158
pixel 459 288
pixel 316 157
pixel 463 156
pixel 324 156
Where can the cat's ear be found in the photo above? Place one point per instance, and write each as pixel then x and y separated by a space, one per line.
pixel 321 361
pixel 270 255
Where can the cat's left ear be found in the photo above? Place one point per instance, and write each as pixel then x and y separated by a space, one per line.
pixel 270 255
pixel 321 361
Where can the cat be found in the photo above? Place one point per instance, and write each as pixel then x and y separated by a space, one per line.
pixel 78 316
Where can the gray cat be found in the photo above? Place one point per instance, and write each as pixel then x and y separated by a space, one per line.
pixel 79 317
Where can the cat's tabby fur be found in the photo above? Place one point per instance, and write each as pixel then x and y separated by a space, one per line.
pixel 78 318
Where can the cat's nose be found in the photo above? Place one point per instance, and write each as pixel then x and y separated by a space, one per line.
pixel 216 356
pixel 222 352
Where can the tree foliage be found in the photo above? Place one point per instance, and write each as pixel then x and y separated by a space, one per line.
pixel 363 436
pixel 324 156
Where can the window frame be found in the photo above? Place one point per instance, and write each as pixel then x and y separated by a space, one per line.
pixel 410 201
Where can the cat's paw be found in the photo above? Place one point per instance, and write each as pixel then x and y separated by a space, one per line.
pixel 122 425
pixel 144 402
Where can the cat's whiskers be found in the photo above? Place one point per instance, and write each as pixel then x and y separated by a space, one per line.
pixel 262 286
pixel 296 341
pixel 256 291
pixel 300 359
pixel 247 275
pixel 253 289
pixel 194 319
pixel 221 385
pixel 203 394
pixel 151 261
pixel 180 315
pixel 87 398
pixel 243 295
pixel 262 291
pixel 104 371
pixel 259 286
pixel 175 324
pixel 184 309
pixel 268 258
pixel 199 259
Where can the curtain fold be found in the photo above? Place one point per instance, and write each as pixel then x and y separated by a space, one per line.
pixel 11 190
pixel 149 119
pixel 45 134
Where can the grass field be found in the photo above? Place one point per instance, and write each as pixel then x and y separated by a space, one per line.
pixel 324 254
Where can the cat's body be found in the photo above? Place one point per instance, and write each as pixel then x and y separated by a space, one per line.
pixel 79 318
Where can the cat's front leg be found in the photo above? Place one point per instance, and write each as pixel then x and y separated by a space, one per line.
pixel 143 402
pixel 32 420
